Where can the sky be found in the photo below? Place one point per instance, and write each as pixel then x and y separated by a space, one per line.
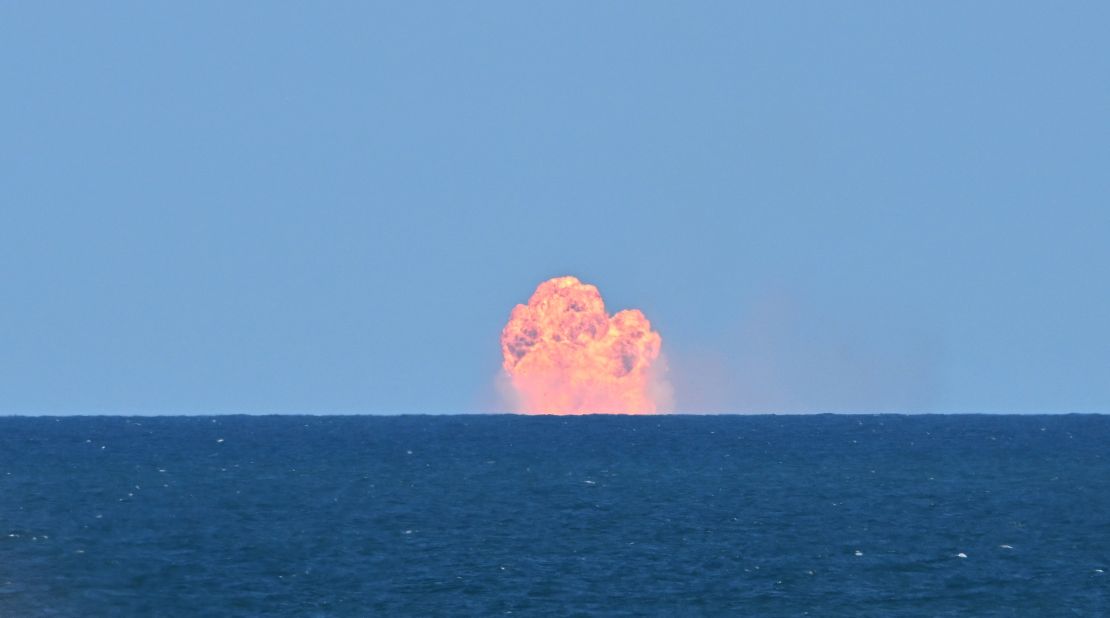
pixel 273 207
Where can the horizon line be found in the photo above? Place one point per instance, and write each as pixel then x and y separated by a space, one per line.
pixel 4 415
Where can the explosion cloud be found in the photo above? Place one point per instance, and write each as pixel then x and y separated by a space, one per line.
pixel 563 354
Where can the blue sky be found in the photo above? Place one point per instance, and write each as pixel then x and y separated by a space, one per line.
pixel 278 207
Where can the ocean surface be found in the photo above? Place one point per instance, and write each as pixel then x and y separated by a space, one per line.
pixel 555 516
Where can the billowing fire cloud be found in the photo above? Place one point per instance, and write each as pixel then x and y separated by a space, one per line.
pixel 565 355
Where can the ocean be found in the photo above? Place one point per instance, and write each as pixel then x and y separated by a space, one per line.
pixel 475 515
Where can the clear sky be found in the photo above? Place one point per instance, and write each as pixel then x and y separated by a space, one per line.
pixel 332 207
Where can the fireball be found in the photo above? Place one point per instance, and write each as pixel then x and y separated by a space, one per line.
pixel 564 354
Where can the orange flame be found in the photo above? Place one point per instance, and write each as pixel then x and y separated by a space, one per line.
pixel 565 355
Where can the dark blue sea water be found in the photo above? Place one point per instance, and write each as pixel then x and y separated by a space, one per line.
pixel 493 515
